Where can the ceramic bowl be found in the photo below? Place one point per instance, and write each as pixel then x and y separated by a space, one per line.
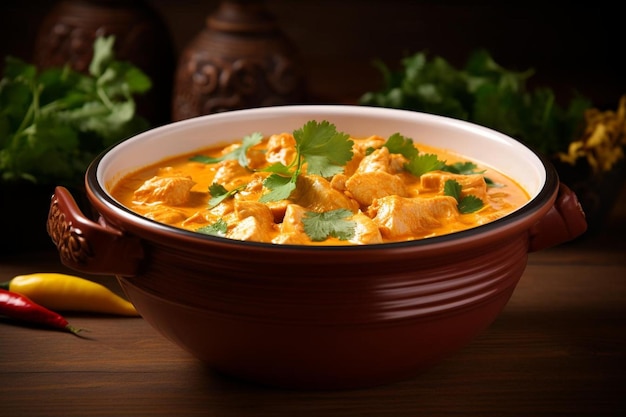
pixel 315 317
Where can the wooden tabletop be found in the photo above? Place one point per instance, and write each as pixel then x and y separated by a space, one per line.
pixel 559 348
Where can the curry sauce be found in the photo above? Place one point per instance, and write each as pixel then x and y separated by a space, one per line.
pixel 372 199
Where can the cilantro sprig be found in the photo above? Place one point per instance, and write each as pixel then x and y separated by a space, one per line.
pixel 468 204
pixel 239 153
pixel 54 122
pixel 421 163
pixel 219 228
pixel 219 193
pixel 333 223
pixel 319 145
pixel 324 150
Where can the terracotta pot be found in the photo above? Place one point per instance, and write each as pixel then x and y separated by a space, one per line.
pixel 315 317
pixel 68 31
pixel 240 59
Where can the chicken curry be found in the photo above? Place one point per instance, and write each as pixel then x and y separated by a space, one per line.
pixel 318 186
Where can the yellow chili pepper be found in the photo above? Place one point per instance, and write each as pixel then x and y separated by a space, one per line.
pixel 63 292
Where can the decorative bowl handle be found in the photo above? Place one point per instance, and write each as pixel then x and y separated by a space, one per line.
pixel 565 221
pixel 88 246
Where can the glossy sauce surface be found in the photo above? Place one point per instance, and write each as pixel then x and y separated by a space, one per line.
pixel 386 202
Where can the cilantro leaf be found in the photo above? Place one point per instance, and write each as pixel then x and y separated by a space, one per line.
pixel 219 228
pixel 423 163
pixel 468 168
pixel 465 205
pixel 463 168
pixel 324 149
pixel 452 188
pixel 239 153
pixel 334 223
pixel 401 145
pixel 470 204
pixel 278 168
pixel 219 193
pixel 102 55
pixel 280 188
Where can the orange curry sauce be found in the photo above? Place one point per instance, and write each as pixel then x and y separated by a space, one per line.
pixel 388 204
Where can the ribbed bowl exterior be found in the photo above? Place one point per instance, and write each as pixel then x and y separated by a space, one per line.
pixel 328 322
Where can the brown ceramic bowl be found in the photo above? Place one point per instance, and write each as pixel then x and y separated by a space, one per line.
pixel 315 317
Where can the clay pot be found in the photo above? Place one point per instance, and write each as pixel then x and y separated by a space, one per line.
pixel 315 317
pixel 240 59
pixel 68 31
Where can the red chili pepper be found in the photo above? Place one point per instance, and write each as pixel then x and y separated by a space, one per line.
pixel 19 307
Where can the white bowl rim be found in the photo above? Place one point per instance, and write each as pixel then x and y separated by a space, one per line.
pixel 541 197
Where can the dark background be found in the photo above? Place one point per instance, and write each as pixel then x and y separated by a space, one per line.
pixel 572 48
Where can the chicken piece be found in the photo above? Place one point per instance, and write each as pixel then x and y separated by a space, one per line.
pixel 338 182
pixel 256 158
pixel 397 163
pixel 255 222
pixel 378 160
pixel 473 184
pixel 166 215
pixel 291 230
pixel 199 219
pixel 278 209
pixel 230 174
pixel 224 208
pixel 316 194
pixel 366 231
pixel 406 218
pixel 250 229
pixel 281 148
pixel 245 208
pixel 371 142
pixel 365 187
pixel 254 188
pixel 359 150
pixel 170 190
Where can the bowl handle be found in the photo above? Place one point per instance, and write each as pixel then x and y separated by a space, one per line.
pixel 563 222
pixel 87 246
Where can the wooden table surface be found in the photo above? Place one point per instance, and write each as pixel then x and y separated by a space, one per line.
pixel 558 348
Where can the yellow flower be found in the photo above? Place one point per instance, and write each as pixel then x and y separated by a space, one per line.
pixel 602 142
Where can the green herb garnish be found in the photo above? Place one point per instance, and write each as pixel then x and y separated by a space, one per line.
pixel 465 205
pixel 219 193
pixel 468 168
pixel 53 123
pixel 485 93
pixel 240 153
pixel 334 223
pixel 423 163
pixel 219 228
pixel 399 144
pixel 324 150
pixel 420 164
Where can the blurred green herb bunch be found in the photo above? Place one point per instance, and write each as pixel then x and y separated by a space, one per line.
pixel 54 122
pixel 485 93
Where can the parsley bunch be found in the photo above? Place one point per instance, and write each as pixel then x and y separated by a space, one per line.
pixel 54 122
pixel 485 93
